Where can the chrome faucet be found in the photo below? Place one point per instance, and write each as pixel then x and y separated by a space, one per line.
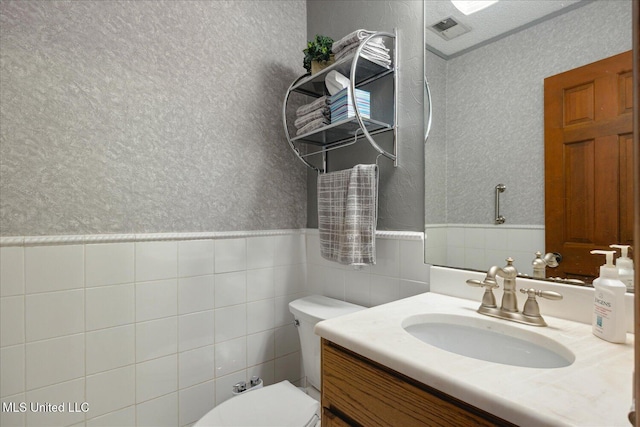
pixel 540 263
pixel 530 314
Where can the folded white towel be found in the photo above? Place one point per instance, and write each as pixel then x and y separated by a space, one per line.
pixel 374 54
pixel 335 82
pixel 355 37
pixel 307 108
pixel 348 215
pixel 378 50
pixel 322 113
pixel 313 125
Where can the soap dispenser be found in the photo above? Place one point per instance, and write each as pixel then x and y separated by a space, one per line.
pixel 608 305
pixel 625 266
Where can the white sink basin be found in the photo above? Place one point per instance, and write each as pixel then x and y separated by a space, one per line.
pixel 490 340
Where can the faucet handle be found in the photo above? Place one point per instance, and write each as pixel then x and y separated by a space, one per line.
pixel 543 294
pixel 531 307
pixel 488 299
pixel 487 284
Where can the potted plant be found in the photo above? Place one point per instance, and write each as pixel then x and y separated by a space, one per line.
pixel 318 54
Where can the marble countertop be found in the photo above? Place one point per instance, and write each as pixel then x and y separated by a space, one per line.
pixel 593 391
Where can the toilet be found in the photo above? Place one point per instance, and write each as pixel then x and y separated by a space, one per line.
pixel 283 404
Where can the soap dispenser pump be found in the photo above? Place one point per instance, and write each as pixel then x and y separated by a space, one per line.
pixel 625 266
pixel 608 306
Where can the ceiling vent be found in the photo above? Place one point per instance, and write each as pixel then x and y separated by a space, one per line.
pixel 449 28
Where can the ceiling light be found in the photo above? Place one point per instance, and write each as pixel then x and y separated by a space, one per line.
pixel 470 6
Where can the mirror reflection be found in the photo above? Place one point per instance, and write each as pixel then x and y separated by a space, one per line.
pixel 488 127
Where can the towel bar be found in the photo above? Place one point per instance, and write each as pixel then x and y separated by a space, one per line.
pixel 499 189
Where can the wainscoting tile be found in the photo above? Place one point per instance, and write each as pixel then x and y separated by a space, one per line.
pixel 196 401
pixel 260 284
pixel 56 360
pixel 260 347
pixel 160 412
pixel 156 261
pixel 156 377
pixel 12 271
pixel 111 390
pixel 122 418
pixel 196 294
pixel 230 289
pixel 231 356
pixel 110 348
pixel 156 338
pixel 12 321
pixel 231 255
pixel 196 366
pixel 109 306
pixel 195 258
pixel 70 391
pixel 155 300
pixel 54 268
pixel 260 315
pixel 260 252
pixel 231 322
pixel 109 263
pixel 12 370
pixel 54 314
pixel 196 330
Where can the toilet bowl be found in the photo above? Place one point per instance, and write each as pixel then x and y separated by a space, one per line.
pixel 283 404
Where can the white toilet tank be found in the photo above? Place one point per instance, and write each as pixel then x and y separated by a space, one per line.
pixel 308 311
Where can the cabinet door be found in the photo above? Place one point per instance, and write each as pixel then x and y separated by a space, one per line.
pixel 368 394
pixel 329 419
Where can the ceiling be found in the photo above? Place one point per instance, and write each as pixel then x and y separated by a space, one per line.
pixel 496 21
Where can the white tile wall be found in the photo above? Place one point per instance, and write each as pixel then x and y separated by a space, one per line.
pixel 157 333
pixel 148 333
pixel 156 261
pixel 111 390
pixel 110 348
pixel 109 306
pixel 399 272
pixel 480 246
pixel 161 412
pixel 195 401
pixel 109 264
pixel 53 361
pixel 73 391
pixel 11 271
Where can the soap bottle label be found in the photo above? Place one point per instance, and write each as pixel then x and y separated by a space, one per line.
pixel 602 312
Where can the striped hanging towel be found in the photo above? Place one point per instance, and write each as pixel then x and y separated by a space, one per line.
pixel 348 214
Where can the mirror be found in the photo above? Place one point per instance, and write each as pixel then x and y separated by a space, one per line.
pixel 488 124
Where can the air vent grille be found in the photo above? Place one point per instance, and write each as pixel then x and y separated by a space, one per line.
pixel 445 25
pixel 449 28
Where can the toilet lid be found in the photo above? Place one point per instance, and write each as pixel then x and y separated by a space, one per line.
pixel 277 405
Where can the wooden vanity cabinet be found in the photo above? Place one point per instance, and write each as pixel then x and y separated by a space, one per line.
pixel 359 392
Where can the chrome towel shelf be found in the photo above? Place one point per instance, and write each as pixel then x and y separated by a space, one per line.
pixel 349 131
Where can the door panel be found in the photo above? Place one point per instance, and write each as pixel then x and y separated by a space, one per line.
pixel 626 189
pixel 579 214
pixel 588 160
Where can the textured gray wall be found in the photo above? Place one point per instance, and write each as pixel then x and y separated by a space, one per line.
pixel 148 116
pixel 435 209
pixel 401 191
pixel 494 110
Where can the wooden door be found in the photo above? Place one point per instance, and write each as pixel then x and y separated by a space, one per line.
pixel 588 163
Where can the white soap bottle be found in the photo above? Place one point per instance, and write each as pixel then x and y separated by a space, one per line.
pixel 608 305
pixel 625 266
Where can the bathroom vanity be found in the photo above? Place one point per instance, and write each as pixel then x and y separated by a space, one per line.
pixel 377 373
pixel 359 391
